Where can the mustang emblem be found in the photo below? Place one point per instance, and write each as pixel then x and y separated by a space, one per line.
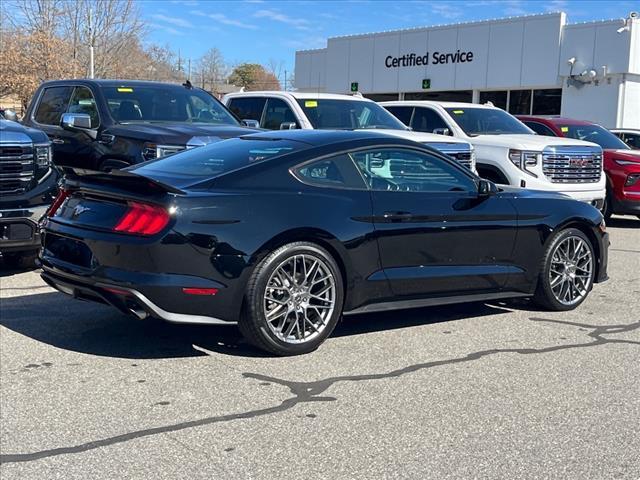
pixel 79 210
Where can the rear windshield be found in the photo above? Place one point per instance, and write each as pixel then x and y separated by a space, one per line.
pixel 487 121
pixel 348 114
pixel 218 158
pixel 595 134
pixel 160 104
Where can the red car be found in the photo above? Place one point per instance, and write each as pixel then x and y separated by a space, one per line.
pixel 621 163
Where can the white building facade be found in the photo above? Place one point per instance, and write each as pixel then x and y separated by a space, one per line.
pixel 538 65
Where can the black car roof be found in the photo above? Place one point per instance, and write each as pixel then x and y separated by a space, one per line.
pixel 327 137
pixel 113 83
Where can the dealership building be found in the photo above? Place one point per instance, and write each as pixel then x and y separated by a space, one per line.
pixel 538 64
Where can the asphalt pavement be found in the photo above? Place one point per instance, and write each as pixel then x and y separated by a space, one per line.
pixel 482 390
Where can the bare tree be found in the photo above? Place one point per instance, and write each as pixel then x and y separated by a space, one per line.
pixel 211 69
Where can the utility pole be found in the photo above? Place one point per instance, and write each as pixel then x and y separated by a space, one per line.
pixel 91 66
pixel 189 71
pixel 285 80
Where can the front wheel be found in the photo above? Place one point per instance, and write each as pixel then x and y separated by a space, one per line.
pixel 293 300
pixel 567 273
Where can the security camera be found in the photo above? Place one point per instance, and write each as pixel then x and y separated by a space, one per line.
pixel 623 29
pixel 572 61
pixel 634 15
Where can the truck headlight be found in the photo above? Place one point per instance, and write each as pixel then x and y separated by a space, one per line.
pixel 151 151
pixel 43 155
pixel 524 159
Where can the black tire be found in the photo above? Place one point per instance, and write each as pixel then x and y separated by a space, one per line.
pixel 20 260
pixel 607 208
pixel 494 176
pixel 253 323
pixel 545 296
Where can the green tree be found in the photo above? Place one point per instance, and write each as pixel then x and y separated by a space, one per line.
pixel 253 76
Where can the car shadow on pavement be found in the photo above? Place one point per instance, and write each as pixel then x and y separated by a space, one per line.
pixel 95 329
pixel 623 222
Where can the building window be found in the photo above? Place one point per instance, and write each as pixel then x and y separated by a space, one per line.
pixel 547 102
pixel 382 97
pixel 448 96
pixel 520 102
pixel 499 99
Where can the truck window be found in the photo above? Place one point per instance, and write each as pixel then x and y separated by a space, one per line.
pixel 248 108
pixel 347 114
pixel 427 120
pixel 277 113
pixel 401 113
pixel 53 103
pixel 82 101
pixel 486 121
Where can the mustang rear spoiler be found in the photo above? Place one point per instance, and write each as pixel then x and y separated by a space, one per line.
pixel 117 178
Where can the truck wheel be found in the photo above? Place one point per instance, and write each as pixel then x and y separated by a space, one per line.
pixel 493 176
pixel 20 260
pixel 108 165
pixel 607 208
pixel 293 300
pixel 567 271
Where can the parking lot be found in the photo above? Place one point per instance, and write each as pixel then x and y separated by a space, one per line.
pixel 496 390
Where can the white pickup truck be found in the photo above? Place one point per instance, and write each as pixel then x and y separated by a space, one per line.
pixel 510 153
pixel 289 110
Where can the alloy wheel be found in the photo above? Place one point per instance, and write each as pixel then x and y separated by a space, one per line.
pixel 571 271
pixel 299 298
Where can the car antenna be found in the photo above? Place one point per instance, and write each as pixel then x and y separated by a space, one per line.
pixel 187 84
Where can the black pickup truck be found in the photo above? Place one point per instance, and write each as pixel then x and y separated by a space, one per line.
pixel 111 124
pixel 28 183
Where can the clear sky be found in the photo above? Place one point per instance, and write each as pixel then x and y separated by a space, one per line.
pixel 260 30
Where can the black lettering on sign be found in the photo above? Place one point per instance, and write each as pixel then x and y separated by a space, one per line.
pixel 437 58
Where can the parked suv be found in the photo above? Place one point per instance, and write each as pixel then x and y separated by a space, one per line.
pixel 621 163
pixel 630 136
pixel 508 152
pixel 28 184
pixel 324 111
pixel 107 124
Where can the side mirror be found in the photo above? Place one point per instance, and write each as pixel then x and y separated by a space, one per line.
pixel 486 188
pixel 288 126
pixel 75 121
pixel 442 131
pixel 251 123
pixel 10 115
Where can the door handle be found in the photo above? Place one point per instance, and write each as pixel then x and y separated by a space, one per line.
pixel 397 216
pixel 57 141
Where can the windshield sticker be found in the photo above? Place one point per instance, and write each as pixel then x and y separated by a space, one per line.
pixel 564 129
pixel 125 90
pixel 311 103
pixel 458 112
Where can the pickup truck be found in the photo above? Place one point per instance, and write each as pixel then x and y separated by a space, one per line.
pixel 28 184
pixel 510 153
pixel 111 124
pixel 325 111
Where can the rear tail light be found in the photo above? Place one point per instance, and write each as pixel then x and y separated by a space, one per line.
pixel 57 202
pixel 143 219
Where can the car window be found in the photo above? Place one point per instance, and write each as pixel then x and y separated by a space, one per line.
pixel 540 129
pixel 427 120
pixel 631 139
pixel 164 104
pixel 248 108
pixel 277 113
pixel 348 114
pixel 53 103
pixel 595 134
pixel 82 101
pixel 410 171
pixel 486 121
pixel 338 171
pixel 402 113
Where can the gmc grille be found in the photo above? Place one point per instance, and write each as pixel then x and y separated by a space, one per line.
pixel 17 168
pixel 572 164
pixel 460 152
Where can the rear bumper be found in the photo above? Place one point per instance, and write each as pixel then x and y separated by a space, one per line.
pixel 132 301
pixel 19 229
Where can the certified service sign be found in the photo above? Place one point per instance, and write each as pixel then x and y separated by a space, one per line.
pixel 436 58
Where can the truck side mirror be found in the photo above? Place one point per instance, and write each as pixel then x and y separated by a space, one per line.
pixel 288 126
pixel 442 131
pixel 75 121
pixel 251 123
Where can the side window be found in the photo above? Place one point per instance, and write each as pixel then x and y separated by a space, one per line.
pixel 53 103
pixel 405 170
pixel 248 108
pixel 633 140
pixel 540 129
pixel 82 101
pixel 402 113
pixel 427 120
pixel 277 113
pixel 338 171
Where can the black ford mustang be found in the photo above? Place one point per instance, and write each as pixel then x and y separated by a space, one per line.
pixel 283 232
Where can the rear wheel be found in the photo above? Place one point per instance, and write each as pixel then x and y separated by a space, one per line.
pixel 567 273
pixel 607 208
pixel 293 300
